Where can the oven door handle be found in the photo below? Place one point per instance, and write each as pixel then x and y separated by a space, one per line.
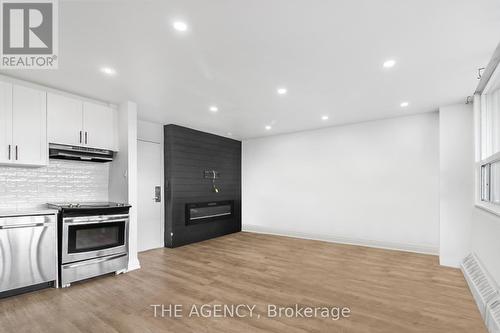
pixel 95 261
pixel 96 222
pixel 96 219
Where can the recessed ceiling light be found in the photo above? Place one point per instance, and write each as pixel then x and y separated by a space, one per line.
pixel 282 91
pixel 214 108
pixel 108 70
pixel 268 127
pixel 389 63
pixel 404 104
pixel 324 118
pixel 180 26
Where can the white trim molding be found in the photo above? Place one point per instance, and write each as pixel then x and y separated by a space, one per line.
pixel 133 265
pixel 488 207
pixel 415 248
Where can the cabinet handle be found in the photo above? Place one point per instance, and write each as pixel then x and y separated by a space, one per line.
pixel 17 153
pixel 80 136
pixel 86 134
pixel 9 151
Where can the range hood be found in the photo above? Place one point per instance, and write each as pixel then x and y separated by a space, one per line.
pixel 75 153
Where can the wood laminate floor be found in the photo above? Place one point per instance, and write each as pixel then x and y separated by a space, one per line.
pixel 386 291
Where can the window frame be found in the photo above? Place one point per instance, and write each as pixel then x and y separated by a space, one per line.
pixel 486 140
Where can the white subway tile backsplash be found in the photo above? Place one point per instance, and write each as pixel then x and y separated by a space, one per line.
pixel 60 181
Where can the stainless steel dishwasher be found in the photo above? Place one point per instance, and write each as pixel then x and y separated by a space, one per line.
pixel 28 253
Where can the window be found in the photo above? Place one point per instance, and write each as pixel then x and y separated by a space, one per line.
pixel 485 183
pixel 487 108
pixel 495 181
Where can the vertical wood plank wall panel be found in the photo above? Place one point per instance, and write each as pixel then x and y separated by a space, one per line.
pixel 188 153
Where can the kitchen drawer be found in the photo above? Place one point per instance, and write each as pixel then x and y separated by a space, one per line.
pixel 91 268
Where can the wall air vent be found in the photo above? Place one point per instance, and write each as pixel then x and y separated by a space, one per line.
pixel 482 287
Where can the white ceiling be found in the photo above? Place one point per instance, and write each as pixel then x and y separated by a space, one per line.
pixel 328 54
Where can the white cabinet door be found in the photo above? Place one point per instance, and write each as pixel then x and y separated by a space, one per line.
pixel 5 122
pixel 29 126
pixel 64 120
pixel 99 126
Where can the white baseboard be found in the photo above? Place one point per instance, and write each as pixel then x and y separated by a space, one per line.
pixel 133 264
pixel 448 261
pixel 416 248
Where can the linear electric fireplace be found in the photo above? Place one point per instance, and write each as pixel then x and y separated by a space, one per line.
pixel 209 211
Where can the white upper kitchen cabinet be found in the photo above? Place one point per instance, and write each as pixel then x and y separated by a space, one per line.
pixel 5 122
pixel 99 123
pixel 23 126
pixel 76 122
pixel 65 120
pixel 29 126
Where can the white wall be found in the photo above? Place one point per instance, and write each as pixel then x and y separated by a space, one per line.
pixel 123 173
pixel 456 138
pixel 148 131
pixel 373 183
pixel 485 241
pixel 118 179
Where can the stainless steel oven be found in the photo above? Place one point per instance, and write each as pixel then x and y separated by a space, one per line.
pixel 89 237
pixel 93 239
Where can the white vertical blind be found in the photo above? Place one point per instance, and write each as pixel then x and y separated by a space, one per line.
pixel 494 114
pixel 490 124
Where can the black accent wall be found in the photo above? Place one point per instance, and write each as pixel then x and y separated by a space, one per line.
pixel 188 153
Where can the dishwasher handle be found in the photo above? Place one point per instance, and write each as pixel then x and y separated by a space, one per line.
pixel 29 225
